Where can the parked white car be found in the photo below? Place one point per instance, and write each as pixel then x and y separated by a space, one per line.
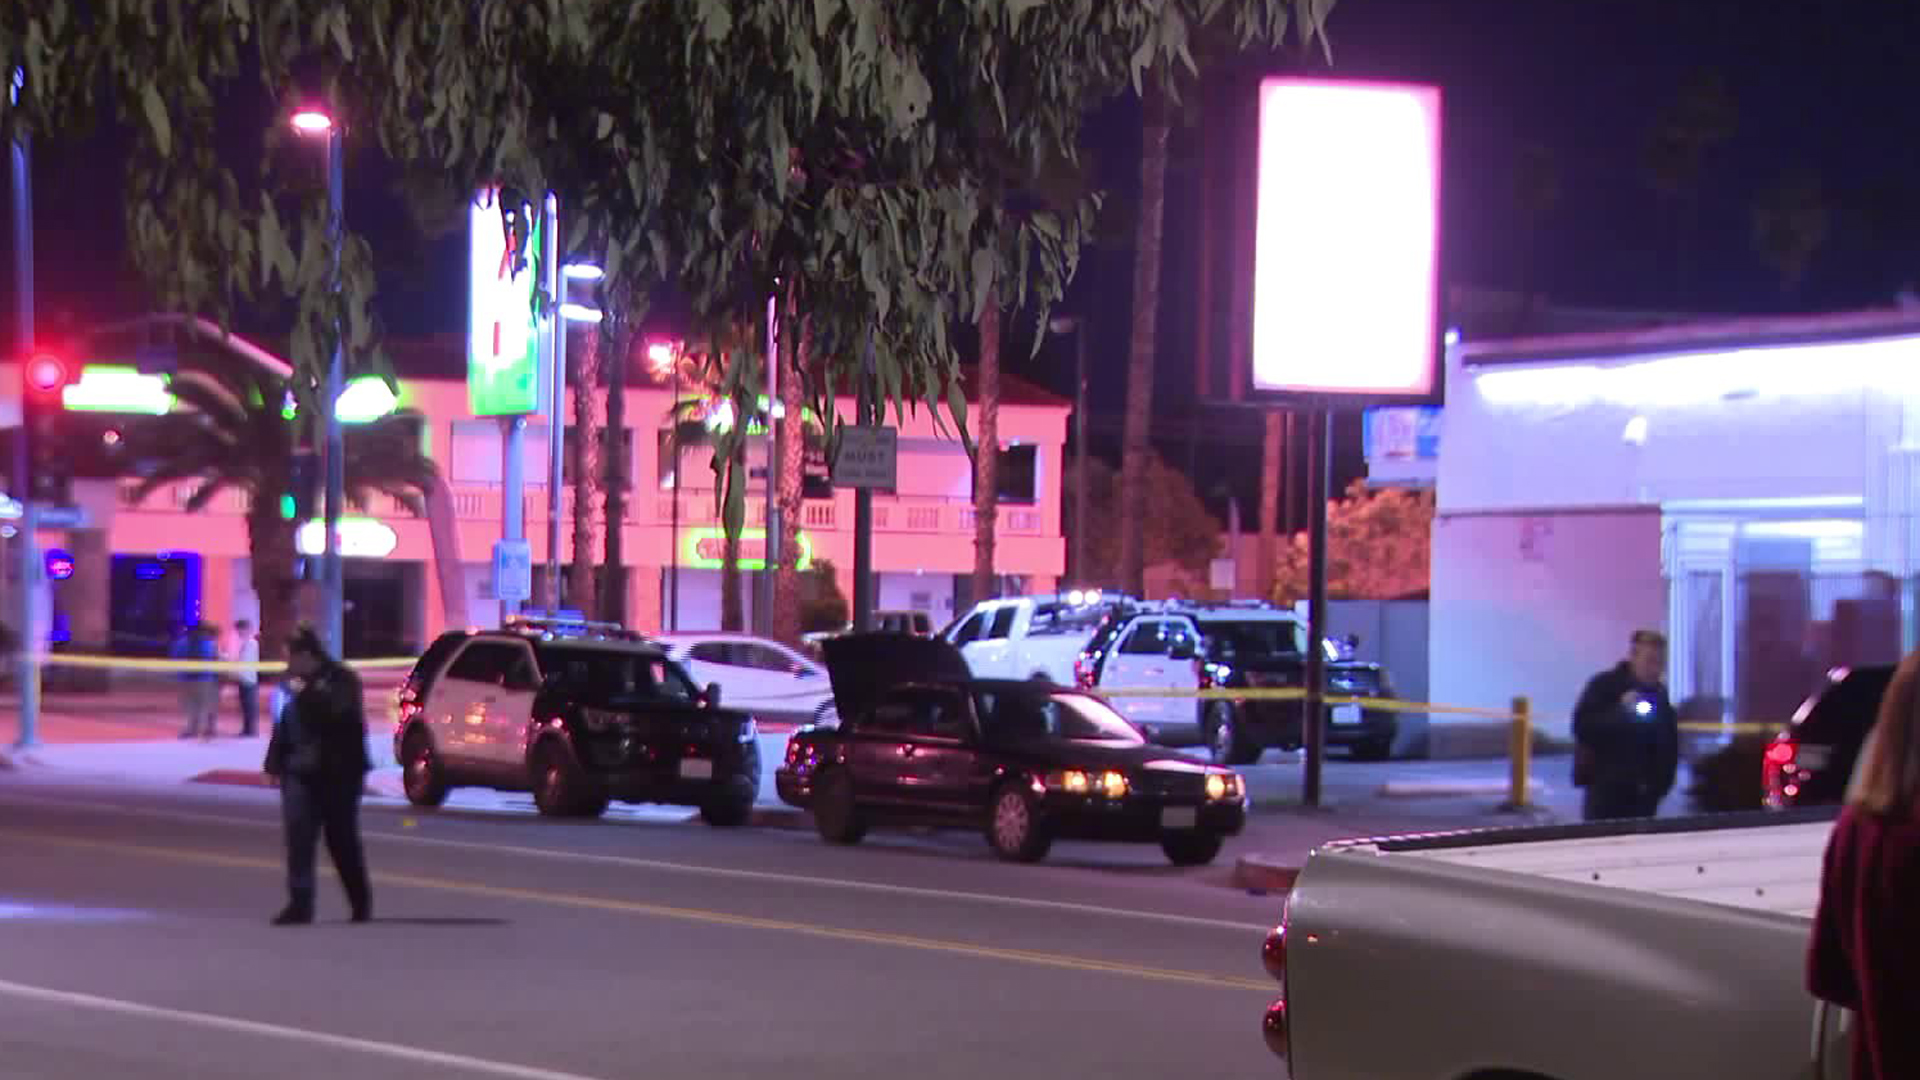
pixel 1661 950
pixel 1029 637
pixel 763 677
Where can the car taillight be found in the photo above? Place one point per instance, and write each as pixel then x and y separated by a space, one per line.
pixel 1083 673
pixel 1273 956
pixel 1782 774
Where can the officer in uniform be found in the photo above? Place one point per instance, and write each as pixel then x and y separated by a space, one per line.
pixel 318 754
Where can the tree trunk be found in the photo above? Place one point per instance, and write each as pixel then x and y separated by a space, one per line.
pixel 584 377
pixel 618 463
pixel 270 553
pixel 1272 467
pixel 1137 444
pixel 986 460
pixel 733 615
pixel 793 465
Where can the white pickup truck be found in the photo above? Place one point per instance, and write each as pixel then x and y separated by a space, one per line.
pixel 1030 637
pixel 1652 950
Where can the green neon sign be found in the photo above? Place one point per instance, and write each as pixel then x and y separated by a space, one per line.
pixel 503 342
pixel 112 388
pixel 705 549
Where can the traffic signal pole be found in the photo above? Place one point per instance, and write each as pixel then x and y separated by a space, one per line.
pixel 26 544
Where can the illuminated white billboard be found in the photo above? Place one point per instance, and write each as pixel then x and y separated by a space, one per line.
pixel 503 346
pixel 1346 239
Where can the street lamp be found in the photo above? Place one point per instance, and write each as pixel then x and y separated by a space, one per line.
pixel 314 123
pixel 1070 324
pixel 556 401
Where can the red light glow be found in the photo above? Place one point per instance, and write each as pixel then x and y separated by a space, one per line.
pixel 1781 753
pixel 1346 238
pixel 46 374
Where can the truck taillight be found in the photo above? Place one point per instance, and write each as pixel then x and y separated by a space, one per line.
pixel 1273 956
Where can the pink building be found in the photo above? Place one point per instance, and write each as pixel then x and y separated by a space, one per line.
pixel 153 563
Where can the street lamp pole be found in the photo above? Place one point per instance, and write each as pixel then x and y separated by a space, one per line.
pixel 556 400
pixel 1070 324
pixel 331 568
pixel 26 544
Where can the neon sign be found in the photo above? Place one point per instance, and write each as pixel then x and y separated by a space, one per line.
pixel 360 538
pixel 110 388
pixel 59 565
pixel 706 549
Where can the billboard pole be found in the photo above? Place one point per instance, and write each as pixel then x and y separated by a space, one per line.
pixel 31 568
pixel 863 508
pixel 1319 480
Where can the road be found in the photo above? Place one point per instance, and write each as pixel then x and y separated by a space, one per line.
pixel 134 943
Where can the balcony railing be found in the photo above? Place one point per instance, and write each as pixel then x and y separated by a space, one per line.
pixel 931 515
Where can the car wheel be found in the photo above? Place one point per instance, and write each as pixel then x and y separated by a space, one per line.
pixel 1226 742
pixel 835 814
pixel 731 804
pixel 1373 750
pixel 424 778
pixel 1191 848
pixel 1014 827
pixel 558 787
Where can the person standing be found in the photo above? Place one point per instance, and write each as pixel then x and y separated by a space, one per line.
pixel 246 681
pixel 1626 734
pixel 1865 952
pixel 199 687
pixel 318 754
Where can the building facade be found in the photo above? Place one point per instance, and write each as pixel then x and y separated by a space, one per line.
pixel 138 570
pixel 1748 486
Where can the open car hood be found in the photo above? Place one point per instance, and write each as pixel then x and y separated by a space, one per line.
pixel 864 666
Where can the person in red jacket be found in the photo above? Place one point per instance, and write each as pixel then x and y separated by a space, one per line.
pixel 1865 954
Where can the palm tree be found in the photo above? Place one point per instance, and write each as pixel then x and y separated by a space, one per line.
pixel 585 378
pixel 1702 117
pixel 234 428
pixel 1791 223
pixel 791 447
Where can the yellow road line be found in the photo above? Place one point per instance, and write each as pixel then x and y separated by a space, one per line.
pixel 685 914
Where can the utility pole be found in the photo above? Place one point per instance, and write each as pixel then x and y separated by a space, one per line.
pixel 863 604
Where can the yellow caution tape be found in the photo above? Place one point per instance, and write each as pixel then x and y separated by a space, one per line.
pixel 180 667
pixel 1297 694
pixel 1731 727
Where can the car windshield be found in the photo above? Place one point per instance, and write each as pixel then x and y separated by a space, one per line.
pixel 1247 638
pixel 1036 714
pixel 609 677
pixel 1065 619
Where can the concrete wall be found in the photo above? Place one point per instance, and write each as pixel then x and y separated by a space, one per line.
pixel 1534 605
pixel 1393 634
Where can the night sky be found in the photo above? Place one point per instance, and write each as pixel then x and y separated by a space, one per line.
pixel 1823 98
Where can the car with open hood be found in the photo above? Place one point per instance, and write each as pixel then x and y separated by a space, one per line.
pixel 921 742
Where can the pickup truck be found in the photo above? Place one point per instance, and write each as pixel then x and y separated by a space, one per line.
pixel 1669 949
pixel 1030 637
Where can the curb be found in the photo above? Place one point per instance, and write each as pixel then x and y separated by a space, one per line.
pixel 780 817
pixel 252 778
pixel 1422 789
pixel 1261 876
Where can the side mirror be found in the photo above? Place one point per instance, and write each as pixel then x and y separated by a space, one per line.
pixel 712 695
pixel 1183 649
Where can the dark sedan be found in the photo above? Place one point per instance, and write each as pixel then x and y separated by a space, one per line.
pixel 920 742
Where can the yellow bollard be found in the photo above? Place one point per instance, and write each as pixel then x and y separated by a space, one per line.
pixel 1520 753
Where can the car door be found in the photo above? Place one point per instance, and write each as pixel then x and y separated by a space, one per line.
pixel 510 709
pixel 1179 719
pixel 787 683
pixel 968 633
pixel 877 752
pixel 1141 663
pixel 939 749
pixel 991 656
pixel 458 703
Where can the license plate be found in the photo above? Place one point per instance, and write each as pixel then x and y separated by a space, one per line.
pixel 1346 715
pixel 696 769
pixel 1179 817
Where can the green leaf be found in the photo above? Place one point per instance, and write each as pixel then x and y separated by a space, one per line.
pixel 157 120
pixel 983 268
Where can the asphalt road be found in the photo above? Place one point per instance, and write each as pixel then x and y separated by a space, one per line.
pixel 134 943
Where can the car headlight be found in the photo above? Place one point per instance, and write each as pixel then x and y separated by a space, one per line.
pixel 602 719
pixel 1224 785
pixel 1111 784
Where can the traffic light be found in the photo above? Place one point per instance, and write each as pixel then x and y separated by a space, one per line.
pixel 43 410
pixel 301 502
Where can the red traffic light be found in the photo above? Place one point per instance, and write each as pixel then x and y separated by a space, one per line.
pixel 46 374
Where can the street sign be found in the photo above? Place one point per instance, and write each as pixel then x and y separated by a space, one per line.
pixel 869 458
pixel 512 570
pixel 62 517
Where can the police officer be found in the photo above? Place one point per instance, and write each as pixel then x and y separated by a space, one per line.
pixel 318 754
pixel 1626 734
